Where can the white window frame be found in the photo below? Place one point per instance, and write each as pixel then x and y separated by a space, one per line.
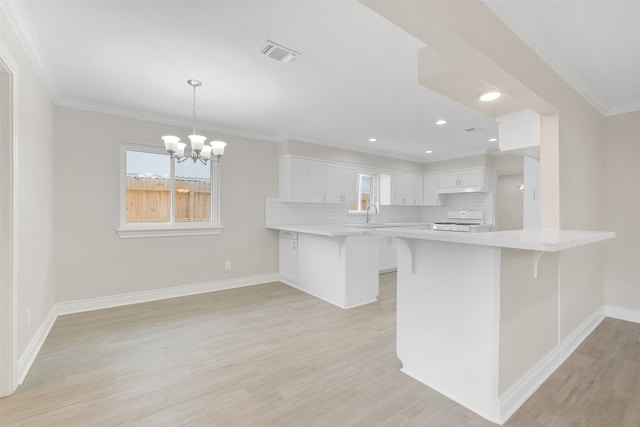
pixel 374 198
pixel 172 228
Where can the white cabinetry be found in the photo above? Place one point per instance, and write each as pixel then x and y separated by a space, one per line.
pixel 406 189
pixel 388 249
pixel 288 257
pixel 293 179
pixel 315 181
pixel 465 181
pixel 520 131
pixel 431 184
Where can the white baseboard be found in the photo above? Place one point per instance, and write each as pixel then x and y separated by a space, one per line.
pixel 31 352
pixel 622 313
pixel 516 395
pixel 160 294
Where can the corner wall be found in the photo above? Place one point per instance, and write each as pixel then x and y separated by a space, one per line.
pixel 621 202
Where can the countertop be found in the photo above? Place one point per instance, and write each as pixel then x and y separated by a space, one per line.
pixel 337 230
pixel 545 240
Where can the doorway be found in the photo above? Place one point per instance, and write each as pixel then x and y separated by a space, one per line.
pixel 8 337
pixel 509 201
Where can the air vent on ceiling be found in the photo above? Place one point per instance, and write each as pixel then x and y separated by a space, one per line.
pixel 470 130
pixel 279 52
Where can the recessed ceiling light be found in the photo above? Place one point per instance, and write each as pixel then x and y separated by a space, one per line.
pixel 492 139
pixel 372 140
pixel 441 122
pixel 489 95
pixel 428 152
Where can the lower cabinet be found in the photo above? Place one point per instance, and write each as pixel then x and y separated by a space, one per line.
pixel 388 249
pixel 288 257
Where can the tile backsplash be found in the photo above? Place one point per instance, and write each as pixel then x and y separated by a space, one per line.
pixel 280 213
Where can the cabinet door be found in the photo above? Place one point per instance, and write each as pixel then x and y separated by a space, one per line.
pixel 430 194
pixel 315 182
pixel 288 259
pixel 383 244
pixel 388 247
pixel 332 183
pixel 293 180
pixel 349 185
pixel 413 189
pixel 471 178
pixel 449 179
pixel 397 189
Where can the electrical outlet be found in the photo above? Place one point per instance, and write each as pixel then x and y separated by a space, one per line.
pixel 227 265
pixel 28 316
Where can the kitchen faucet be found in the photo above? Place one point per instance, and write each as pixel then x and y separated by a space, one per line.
pixel 369 207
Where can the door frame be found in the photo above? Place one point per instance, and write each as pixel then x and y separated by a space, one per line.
pixel 8 282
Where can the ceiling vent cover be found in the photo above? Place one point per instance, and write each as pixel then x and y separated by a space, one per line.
pixel 476 129
pixel 278 52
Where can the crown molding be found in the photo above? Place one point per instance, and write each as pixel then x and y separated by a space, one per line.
pixel 22 27
pixel 159 118
pixel 623 108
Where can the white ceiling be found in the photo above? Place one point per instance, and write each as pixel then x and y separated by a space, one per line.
pixel 356 77
pixel 593 45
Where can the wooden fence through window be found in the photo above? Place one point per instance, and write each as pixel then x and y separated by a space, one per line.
pixel 149 200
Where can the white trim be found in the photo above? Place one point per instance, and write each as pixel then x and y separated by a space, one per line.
pixel 621 313
pixel 8 284
pixel 306 291
pixel 160 294
pixel 517 394
pixel 22 27
pixel 167 230
pixel 33 348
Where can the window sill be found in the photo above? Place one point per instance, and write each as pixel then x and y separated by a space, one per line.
pixel 167 230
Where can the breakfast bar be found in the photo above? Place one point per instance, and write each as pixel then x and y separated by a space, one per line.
pixel 478 312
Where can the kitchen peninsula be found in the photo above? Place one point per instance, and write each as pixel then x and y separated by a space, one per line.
pixel 478 313
pixel 336 263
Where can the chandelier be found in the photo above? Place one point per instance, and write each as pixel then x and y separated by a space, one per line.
pixel 199 151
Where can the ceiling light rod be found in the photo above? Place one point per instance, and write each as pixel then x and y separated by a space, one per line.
pixel 199 151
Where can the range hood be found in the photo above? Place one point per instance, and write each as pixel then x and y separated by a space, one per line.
pixel 472 189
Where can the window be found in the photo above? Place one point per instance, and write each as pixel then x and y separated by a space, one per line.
pixel 366 193
pixel 161 197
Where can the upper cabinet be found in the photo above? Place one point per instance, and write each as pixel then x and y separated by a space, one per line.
pixel 406 189
pixel 331 183
pixel 431 185
pixel 520 132
pixel 319 181
pixel 303 180
pixel 293 179
pixel 464 181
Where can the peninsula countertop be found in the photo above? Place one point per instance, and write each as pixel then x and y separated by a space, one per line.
pixel 338 230
pixel 544 240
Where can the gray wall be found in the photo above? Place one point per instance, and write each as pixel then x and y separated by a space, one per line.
pixel 33 192
pixel 93 261
pixel 621 204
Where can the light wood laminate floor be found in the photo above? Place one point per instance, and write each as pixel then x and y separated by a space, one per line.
pixel 270 355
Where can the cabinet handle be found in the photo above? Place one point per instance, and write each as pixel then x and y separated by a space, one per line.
pixel 534 194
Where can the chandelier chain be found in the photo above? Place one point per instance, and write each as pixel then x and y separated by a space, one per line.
pixel 194 110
